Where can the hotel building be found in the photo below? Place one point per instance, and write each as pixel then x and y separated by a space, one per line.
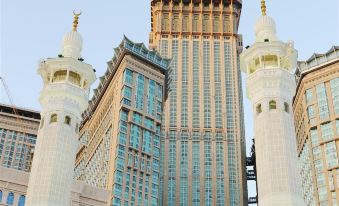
pixel 18 132
pixel 316 113
pixel 121 130
pixel 203 142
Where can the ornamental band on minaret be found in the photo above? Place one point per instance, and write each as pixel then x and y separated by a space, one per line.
pixel 269 64
pixel 63 99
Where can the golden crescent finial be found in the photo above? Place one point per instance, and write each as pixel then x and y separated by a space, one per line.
pixel 76 20
pixel 263 7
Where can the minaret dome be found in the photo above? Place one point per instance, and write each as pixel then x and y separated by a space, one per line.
pixel 72 41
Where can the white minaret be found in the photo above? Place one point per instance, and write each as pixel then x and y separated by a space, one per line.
pixel 269 64
pixel 63 99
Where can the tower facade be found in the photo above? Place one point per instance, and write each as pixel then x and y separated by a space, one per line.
pixel 203 142
pixel 269 64
pixel 121 129
pixel 316 113
pixel 63 98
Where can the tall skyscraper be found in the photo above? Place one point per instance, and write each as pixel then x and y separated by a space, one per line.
pixel 269 64
pixel 63 99
pixel 203 141
pixel 316 113
pixel 18 131
pixel 120 133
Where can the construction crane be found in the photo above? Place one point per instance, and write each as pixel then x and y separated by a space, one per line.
pixel 9 95
pixel 17 115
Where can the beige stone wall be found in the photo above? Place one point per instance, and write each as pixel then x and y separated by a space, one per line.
pixel 16 182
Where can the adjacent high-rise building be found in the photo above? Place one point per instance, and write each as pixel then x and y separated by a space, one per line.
pixel 121 129
pixel 63 99
pixel 316 113
pixel 269 64
pixel 18 131
pixel 203 141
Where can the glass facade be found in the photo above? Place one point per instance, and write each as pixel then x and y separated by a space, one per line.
pixel 318 155
pixel 16 149
pixel 203 141
pixel 136 175
pixel 121 134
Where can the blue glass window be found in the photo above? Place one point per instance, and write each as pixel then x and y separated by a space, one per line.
pixel 147 142
pixel 121 151
pixel 149 123
pixel 128 76
pixel 120 164
pixel 0 195
pixel 127 92
pixel 10 198
pixel 135 134
pixel 137 118
pixel 124 115
pixel 22 200
pixel 139 97
pixel 151 98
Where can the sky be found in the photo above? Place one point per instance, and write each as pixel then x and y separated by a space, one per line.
pixel 32 30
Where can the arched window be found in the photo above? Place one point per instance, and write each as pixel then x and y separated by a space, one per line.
pixel 273 104
pixel 22 200
pixel 287 107
pixel 74 78
pixel 0 196
pixel 59 76
pixel 258 109
pixel 68 120
pixel 10 198
pixel 54 118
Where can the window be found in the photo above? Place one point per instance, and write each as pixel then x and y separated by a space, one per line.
pixel 175 22
pixel 258 109
pixel 185 23
pixel 327 131
pixel 68 120
pixel 273 104
pixel 74 78
pixel 286 107
pixel 165 22
pixel 195 23
pixel 0 195
pixel 59 76
pixel 54 118
pixel 205 24
pixel 10 198
pixel 22 200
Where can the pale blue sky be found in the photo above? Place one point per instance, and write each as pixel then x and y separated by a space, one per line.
pixel 31 30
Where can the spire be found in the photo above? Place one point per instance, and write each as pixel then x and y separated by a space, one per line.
pixel 75 21
pixel 72 42
pixel 263 7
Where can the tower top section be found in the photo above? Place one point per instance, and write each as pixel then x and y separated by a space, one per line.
pixel 76 20
pixel 263 7
pixel 72 41
pixel 268 52
pixel 265 29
